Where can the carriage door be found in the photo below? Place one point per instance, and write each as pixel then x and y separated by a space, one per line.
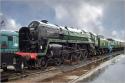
pixel 15 42
pixel 10 43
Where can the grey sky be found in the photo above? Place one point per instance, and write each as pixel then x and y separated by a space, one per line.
pixel 104 17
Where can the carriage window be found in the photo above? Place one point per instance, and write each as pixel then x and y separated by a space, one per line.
pixel 10 38
pixel 3 44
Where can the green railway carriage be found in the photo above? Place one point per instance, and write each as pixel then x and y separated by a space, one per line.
pixel 103 43
pixel 116 45
pixel 9 41
pixel 8 47
pixel 122 44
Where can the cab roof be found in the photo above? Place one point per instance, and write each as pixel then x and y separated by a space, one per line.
pixel 8 33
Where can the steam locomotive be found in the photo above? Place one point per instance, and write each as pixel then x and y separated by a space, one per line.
pixel 42 43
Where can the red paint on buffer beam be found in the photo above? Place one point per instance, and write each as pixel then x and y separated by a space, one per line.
pixel 32 56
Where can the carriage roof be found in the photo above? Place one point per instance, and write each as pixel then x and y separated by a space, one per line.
pixel 8 33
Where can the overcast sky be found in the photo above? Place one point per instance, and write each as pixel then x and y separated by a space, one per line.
pixel 105 17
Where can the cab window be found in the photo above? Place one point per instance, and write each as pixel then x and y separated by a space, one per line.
pixel 10 38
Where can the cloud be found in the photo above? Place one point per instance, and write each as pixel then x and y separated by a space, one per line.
pixel 122 35
pixel 114 33
pixel 118 35
pixel 1 14
pixel 8 23
pixel 88 15
pixel 84 16
pixel 60 12
pixel 89 12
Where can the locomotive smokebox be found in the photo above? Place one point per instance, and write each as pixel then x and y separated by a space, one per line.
pixel 27 39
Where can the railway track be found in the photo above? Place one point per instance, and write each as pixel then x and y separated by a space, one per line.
pixel 70 76
pixel 11 75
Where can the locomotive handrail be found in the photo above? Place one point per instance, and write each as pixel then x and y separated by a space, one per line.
pixel 45 51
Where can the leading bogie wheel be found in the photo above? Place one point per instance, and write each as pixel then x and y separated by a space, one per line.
pixel 43 63
pixel 57 61
pixel 19 66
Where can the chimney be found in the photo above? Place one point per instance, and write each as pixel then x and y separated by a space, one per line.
pixel 44 21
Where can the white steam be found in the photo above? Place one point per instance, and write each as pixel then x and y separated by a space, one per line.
pixel 8 23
